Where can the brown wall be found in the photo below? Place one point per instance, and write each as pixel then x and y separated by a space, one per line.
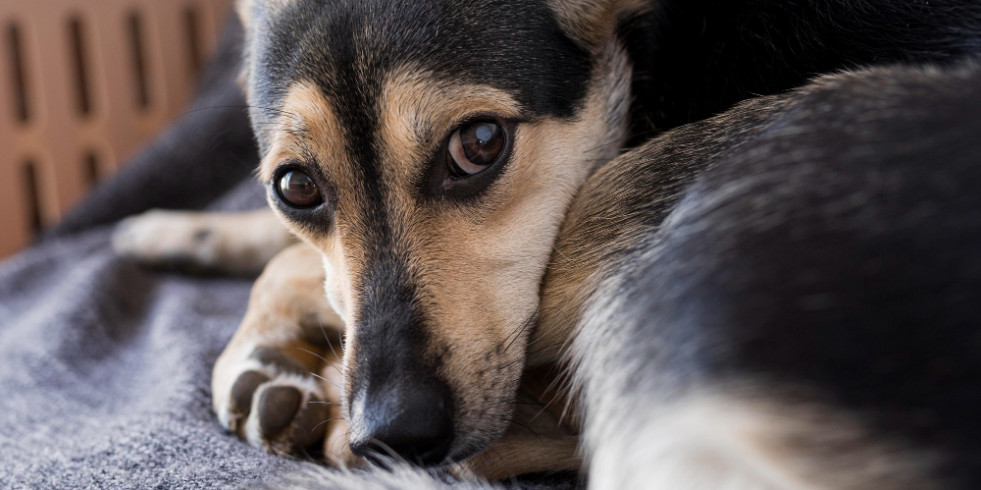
pixel 83 85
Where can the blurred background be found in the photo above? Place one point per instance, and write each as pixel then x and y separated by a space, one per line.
pixel 84 85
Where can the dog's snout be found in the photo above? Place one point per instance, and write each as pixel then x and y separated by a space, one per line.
pixel 411 418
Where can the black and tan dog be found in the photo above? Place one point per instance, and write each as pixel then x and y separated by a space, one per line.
pixel 705 287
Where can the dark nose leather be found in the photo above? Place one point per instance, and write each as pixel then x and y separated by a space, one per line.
pixel 409 417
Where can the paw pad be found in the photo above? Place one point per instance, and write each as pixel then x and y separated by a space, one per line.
pixel 277 407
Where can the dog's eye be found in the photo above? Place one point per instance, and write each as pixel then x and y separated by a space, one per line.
pixel 476 146
pixel 298 190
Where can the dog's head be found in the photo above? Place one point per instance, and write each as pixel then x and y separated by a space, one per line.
pixel 429 149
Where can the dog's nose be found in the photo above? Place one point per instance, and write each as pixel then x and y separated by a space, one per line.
pixel 413 420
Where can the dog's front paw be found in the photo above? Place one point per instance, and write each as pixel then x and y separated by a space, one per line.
pixel 237 243
pixel 167 239
pixel 275 403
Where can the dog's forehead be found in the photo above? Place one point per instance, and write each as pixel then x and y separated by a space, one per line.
pixel 348 47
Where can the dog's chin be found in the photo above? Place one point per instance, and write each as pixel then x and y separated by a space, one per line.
pixel 478 439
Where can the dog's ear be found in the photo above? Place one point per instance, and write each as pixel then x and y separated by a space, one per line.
pixel 593 21
pixel 250 12
pixel 244 10
pixel 247 8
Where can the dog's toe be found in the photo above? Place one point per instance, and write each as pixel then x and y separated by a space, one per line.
pixel 240 404
pixel 277 407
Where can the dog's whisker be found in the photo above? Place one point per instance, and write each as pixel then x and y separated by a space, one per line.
pixel 388 449
pixel 322 422
pixel 525 426
pixel 327 363
pixel 523 327
pixel 331 344
pixel 527 403
pixel 325 380
pixel 312 353
pixel 560 383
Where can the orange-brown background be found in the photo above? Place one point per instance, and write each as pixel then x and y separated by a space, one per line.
pixel 84 84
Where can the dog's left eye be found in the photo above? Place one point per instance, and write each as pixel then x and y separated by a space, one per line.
pixel 298 190
pixel 475 147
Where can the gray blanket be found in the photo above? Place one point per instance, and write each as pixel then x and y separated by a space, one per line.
pixel 105 366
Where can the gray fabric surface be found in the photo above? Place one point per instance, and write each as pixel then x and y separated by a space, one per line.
pixel 105 371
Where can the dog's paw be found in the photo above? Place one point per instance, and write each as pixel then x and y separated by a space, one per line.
pixel 167 239
pixel 234 243
pixel 276 404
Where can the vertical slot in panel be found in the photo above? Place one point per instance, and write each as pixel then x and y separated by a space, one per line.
pixel 32 190
pixel 192 33
pixel 18 73
pixel 134 27
pixel 91 168
pixel 80 65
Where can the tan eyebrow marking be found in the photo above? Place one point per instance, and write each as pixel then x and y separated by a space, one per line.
pixel 307 123
pixel 417 107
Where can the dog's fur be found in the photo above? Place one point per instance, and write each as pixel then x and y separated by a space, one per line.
pixel 778 296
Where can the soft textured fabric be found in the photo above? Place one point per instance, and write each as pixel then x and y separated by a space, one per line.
pixel 105 371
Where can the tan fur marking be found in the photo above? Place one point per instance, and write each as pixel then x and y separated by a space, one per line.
pixel 594 21
pixel 520 455
pixel 418 108
pixel 307 123
pixel 288 290
pixel 310 126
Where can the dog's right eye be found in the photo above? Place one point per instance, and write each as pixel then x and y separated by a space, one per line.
pixel 475 147
pixel 297 189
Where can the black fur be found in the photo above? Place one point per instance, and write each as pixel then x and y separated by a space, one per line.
pixel 851 269
pixel 695 58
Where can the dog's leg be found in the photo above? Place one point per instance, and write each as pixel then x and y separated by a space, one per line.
pixel 520 454
pixel 236 243
pixel 277 384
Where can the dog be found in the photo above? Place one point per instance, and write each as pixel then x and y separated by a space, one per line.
pixel 489 196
